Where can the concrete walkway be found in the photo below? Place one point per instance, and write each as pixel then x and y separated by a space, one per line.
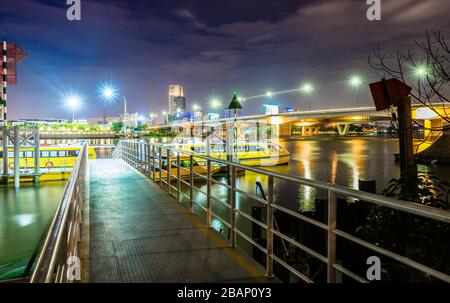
pixel 138 233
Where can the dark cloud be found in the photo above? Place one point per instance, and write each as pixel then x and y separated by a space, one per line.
pixel 212 47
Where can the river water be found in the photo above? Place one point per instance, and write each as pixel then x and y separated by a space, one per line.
pixel 25 214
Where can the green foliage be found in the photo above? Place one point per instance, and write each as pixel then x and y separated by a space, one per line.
pixel 116 127
pixel 162 133
pixel 421 239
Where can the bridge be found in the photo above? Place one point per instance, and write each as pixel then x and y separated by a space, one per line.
pixel 308 121
pixel 133 218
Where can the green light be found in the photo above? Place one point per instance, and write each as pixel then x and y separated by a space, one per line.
pixel 307 88
pixel 421 71
pixel 355 81
pixel 215 103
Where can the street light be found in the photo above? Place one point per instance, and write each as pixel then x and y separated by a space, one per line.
pixel 196 107
pixel 108 92
pixel 73 102
pixel 355 82
pixel 307 88
pixel 269 94
pixel 420 71
pixel 234 106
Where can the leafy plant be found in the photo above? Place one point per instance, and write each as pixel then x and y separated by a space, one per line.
pixel 421 239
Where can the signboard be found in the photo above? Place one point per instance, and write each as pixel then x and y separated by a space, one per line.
pixel 15 54
pixel 271 109
pixel 387 93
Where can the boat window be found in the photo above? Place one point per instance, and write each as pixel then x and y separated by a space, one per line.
pixel 29 154
pixel 62 153
pixel 45 154
pixel 72 153
pixel 10 154
pixel 53 153
pixel 1 154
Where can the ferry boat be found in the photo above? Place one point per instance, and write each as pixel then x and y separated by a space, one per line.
pixel 184 168
pixel 248 153
pixel 55 162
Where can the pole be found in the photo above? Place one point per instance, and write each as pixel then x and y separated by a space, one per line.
pixel 125 116
pixel 36 154
pixel 5 151
pixel 16 156
pixel 73 113
pixel 3 99
pixel 408 166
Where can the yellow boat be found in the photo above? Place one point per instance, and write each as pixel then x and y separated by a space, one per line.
pixel 252 154
pixel 184 169
pixel 55 162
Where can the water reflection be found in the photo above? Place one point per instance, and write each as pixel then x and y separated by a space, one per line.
pixel 24 216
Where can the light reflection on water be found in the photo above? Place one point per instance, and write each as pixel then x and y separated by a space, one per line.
pixel 24 216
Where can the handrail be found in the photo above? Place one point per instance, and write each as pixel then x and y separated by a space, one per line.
pixel 64 233
pixel 145 156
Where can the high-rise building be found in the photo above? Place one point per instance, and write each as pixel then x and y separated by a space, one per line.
pixel 177 101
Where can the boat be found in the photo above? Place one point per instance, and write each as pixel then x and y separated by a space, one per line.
pixel 198 168
pixel 248 153
pixel 55 162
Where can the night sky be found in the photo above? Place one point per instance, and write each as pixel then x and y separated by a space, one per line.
pixel 211 47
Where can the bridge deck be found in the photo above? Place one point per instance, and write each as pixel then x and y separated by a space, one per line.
pixel 137 233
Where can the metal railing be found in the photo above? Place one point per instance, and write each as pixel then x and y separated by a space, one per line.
pixel 61 246
pixel 148 158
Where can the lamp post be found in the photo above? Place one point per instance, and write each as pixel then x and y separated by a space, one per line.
pixel 109 93
pixel 307 88
pixel 234 106
pixel 355 82
pixel 73 102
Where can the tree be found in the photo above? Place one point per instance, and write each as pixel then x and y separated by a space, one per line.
pixel 117 126
pixel 426 69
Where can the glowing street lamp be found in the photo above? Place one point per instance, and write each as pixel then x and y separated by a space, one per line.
pixel 355 81
pixel 109 93
pixel 196 107
pixel 73 102
pixel 421 71
pixel 269 94
pixel 307 88
pixel 215 103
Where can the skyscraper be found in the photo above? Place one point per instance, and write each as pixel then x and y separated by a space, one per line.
pixel 177 101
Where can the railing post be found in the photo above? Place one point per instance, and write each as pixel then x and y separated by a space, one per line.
pixel 148 158
pixel 233 206
pixel 208 191
pixel 178 179
pixel 153 162
pixel 191 183
pixel 269 244
pixel 160 167
pixel 331 243
pixel 169 166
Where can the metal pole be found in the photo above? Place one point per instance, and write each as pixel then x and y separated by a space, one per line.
pixel 36 154
pixel 331 246
pixel 160 168
pixel 168 171
pixel 191 183
pixel 16 156
pixel 125 116
pixel 208 190
pixel 148 158
pixel 178 179
pixel 269 244
pixel 233 206
pixel 5 151
pixel 153 162
pixel 4 98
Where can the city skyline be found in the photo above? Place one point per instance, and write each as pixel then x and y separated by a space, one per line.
pixel 211 52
